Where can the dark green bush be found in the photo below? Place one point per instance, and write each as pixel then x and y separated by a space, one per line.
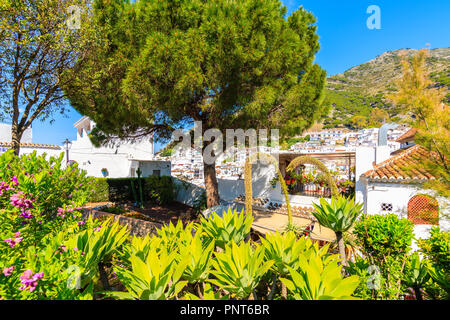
pixel 155 189
pixel 120 189
pixel 99 191
pixel 159 189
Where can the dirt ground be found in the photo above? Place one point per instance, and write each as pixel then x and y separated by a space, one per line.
pixel 162 214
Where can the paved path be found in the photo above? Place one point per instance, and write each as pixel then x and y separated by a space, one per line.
pixel 266 221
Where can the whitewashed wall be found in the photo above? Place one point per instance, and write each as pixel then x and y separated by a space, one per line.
pixel 41 151
pixel 147 167
pixel 399 195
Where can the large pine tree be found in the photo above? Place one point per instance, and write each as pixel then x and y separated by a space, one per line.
pixel 230 64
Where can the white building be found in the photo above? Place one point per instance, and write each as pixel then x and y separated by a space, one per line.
pixel 26 144
pixel 117 160
pixel 384 185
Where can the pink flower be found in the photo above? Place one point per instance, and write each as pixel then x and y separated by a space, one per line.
pixel 75 249
pixel 97 229
pixel 4 187
pixel 8 271
pixel 13 241
pixel 14 180
pixel 26 215
pixel 29 280
pixel 19 200
pixel 80 223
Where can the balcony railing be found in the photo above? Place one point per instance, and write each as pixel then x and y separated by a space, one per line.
pixel 315 190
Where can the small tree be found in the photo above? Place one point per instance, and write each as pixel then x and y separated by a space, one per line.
pixel 430 115
pixel 36 48
pixel 338 215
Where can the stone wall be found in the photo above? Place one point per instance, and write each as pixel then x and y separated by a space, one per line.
pixel 136 227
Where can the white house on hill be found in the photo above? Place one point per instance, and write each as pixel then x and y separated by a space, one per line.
pixel 118 161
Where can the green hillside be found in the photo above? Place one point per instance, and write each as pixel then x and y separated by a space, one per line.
pixel 357 96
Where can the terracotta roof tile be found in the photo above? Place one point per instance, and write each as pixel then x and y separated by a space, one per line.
pixel 407 136
pixel 32 145
pixel 395 167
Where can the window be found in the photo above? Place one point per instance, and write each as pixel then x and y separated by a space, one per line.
pixel 423 209
pixel 157 173
pixel 386 207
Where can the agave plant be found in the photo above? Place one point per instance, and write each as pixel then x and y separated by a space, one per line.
pixel 338 215
pixel 318 280
pixel 96 246
pixel 416 275
pixel 155 278
pixel 199 258
pixel 285 250
pixel 209 294
pixel 172 236
pixel 232 227
pixel 239 269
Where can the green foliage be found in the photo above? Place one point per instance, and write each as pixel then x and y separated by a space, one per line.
pixel 232 227
pixel 437 247
pixel 99 191
pixel 160 190
pixel 384 235
pixel 174 236
pixel 36 50
pixel 385 241
pixel 416 273
pixel 199 262
pixel 239 269
pixel 284 250
pixel 318 280
pixel 162 64
pixel 157 277
pixel 339 214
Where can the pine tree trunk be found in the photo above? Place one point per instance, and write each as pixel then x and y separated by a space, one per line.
pixel 341 246
pixel 211 185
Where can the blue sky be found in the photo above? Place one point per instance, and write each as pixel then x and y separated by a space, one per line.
pixel 344 37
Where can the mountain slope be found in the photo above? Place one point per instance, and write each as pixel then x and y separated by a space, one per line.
pixel 361 89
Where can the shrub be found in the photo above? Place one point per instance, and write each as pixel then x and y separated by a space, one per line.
pixel 157 189
pixel 437 247
pixel 99 191
pixel 385 241
pixel 384 235
pixel 160 189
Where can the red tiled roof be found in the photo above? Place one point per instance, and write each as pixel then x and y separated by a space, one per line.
pixel 394 169
pixel 407 136
pixel 30 145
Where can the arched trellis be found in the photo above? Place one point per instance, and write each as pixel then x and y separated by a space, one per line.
pixel 248 181
pixel 319 165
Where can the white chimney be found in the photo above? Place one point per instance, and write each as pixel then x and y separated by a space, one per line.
pixel 382 153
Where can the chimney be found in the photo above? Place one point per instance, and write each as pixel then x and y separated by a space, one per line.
pixel 382 153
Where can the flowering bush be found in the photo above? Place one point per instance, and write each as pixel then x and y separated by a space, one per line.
pixel 40 208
